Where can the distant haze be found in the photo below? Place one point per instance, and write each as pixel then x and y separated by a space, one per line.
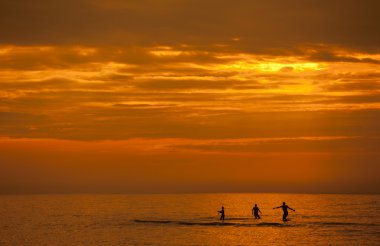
pixel 189 96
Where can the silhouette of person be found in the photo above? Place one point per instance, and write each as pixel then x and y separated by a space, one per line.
pixel 255 212
pixel 285 210
pixel 221 214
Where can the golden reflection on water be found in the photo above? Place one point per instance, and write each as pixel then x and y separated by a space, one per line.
pixel 189 219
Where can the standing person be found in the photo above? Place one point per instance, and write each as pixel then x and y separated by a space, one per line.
pixel 255 212
pixel 285 210
pixel 221 214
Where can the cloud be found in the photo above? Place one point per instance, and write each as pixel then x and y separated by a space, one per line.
pixel 353 86
pixel 106 96
pixel 282 145
pixel 360 99
pixel 175 84
pixel 68 116
pixel 53 83
pixel 260 26
pixel 328 56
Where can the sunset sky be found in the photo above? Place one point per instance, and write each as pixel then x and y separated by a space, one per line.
pixel 189 96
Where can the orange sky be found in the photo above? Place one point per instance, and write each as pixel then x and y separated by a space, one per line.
pixel 189 96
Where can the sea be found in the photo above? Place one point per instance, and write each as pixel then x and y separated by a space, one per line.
pixel 188 219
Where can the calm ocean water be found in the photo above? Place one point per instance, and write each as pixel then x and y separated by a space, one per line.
pixel 189 219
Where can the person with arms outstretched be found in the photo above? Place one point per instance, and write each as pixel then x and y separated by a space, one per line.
pixel 255 212
pixel 221 214
pixel 285 210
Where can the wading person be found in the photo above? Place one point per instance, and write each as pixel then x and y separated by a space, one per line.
pixel 256 211
pixel 285 210
pixel 221 214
